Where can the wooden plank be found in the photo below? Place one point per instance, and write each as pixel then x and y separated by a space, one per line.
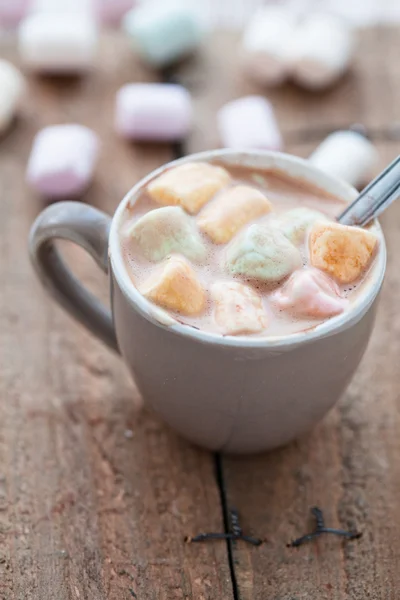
pixel 96 495
pixel 349 464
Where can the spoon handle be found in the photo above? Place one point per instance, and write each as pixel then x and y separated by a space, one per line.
pixel 375 198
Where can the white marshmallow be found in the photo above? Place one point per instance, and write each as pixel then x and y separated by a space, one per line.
pixel 320 50
pixel 347 155
pixel 62 160
pixel 265 42
pixel 249 122
pixel 238 308
pixel 12 86
pixel 52 42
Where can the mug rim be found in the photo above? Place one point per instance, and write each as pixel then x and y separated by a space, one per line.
pixel 280 161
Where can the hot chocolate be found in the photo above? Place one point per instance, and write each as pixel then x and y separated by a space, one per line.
pixel 241 251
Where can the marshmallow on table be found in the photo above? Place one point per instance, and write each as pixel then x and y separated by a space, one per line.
pixel 62 160
pixel 111 12
pixel 162 32
pixel 249 122
pixel 265 42
pixel 52 42
pixel 310 293
pixel 296 222
pixel 165 231
pixel 238 308
pixel 341 251
pixel 190 185
pixel 153 111
pixel 230 211
pixel 12 86
pixel 175 286
pixel 320 50
pixel 13 11
pixel 347 155
pixel 263 253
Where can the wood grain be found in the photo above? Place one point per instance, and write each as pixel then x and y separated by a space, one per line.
pixel 96 496
pixel 349 464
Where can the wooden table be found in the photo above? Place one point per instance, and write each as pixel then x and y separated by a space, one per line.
pixel 96 495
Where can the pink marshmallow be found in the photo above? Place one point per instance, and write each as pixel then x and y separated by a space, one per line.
pixel 62 160
pixel 310 293
pixel 111 12
pixel 249 122
pixel 13 11
pixel 153 111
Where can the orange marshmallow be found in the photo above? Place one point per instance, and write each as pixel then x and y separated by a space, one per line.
pixel 341 251
pixel 175 286
pixel 230 211
pixel 238 308
pixel 190 185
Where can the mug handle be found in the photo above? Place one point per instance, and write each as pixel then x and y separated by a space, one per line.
pixel 89 228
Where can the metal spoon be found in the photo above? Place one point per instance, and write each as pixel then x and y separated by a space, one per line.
pixel 375 198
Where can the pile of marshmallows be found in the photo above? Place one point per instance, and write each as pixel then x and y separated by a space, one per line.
pixel 314 51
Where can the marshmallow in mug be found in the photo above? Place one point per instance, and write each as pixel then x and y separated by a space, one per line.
pixel 347 155
pixel 320 50
pixel 249 122
pixel 238 308
pixel 153 111
pixel 50 42
pixel 190 185
pixel 296 222
pixel 263 253
pixel 163 33
pixel 12 86
pixel 62 160
pixel 310 293
pixel 167 230
pixel 265 42
pixel 175 285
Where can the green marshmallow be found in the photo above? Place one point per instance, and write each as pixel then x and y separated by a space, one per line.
pixel 295 223
pixel 167 230
pixel 163 34
pixel 262 252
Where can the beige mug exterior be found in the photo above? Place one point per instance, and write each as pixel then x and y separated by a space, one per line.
pixel 231 394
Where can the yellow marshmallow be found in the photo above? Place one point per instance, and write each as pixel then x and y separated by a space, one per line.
pixel 230 211
pixel 341 251
pixel 238 308
pixel 175 286
pixel 190 185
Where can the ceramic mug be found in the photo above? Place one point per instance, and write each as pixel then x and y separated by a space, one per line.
pixel 237 395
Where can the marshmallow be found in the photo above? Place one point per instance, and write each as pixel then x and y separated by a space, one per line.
pixel 162 33
pixel 310 293
pixel 190 185
pixel 12 86
pixel 13 11
pixel 50 42
pixel 238 309
pixel 320 50
pixel 347 155
pixel 62 160
pixel 265 42
pixel 263 253
pixel 167 230
pixel 111 12
pixel 175 286
pixel 341 251
pixel 230 211
pixel 153 111
pixel 249 122
pixel 295 223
